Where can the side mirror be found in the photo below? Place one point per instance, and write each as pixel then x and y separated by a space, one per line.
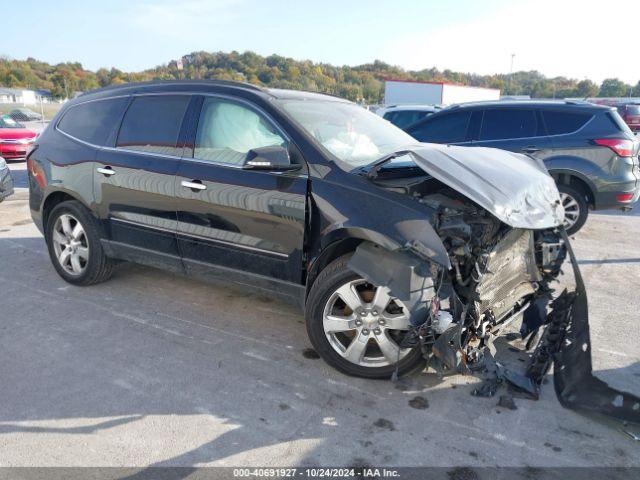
pixel 274 158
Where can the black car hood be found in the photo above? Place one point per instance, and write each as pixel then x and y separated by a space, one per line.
pixel 515 188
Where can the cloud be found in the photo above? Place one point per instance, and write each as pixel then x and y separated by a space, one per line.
pixel 573 38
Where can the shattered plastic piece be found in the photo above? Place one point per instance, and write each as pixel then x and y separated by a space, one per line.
pixel 506 401
pixel 488 388
pixel 534 316
pixel 447 352
pixel 573 379
pixel 522 383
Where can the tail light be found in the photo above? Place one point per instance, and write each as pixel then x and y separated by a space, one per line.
pixel 622 147
pixel 624 197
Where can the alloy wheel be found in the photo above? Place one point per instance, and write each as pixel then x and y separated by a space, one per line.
pixel 70 244
pixel 571 210
pixel 365 325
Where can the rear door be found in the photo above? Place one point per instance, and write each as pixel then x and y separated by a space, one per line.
pixel 515 129
pixel 135 180
pixel 244 226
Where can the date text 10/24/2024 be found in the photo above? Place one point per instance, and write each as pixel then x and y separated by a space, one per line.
pixel 345 473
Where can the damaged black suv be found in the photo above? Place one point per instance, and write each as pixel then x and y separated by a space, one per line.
pixel 398 251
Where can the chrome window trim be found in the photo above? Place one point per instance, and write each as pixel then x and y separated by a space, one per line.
pixel 173 157
pixel 114 149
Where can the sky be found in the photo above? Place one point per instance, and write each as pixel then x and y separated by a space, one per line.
pixel 576 39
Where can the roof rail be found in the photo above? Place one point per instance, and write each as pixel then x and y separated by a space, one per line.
pixel 152 83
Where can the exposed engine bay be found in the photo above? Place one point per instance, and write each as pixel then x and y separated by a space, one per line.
pixel 498 275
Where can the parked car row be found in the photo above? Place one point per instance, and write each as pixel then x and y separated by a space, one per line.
pixel 588 149
pixel 24 115
pixel 15 138
pixel 630 113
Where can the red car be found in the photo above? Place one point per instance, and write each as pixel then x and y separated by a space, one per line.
pixel 15 139
pixel 630 113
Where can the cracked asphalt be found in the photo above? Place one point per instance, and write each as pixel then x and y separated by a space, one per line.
pixel 157 369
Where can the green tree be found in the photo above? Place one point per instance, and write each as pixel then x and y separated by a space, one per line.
pixel 613 87
pixel 586 89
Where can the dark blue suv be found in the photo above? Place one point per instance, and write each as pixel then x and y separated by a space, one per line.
pixel 588 149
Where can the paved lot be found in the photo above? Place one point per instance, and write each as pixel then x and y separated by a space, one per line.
pixel 156 369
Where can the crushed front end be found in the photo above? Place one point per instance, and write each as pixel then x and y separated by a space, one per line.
pixel 505 267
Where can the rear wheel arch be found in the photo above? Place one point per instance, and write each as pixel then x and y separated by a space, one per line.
pixel 576 181
pixel 55 198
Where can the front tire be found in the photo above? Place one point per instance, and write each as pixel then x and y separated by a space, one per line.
pixel 575 206
pixel 73 239
pixel 356 327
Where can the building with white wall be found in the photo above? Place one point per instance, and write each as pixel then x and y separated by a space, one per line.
pixel 402 92
pixel 24 96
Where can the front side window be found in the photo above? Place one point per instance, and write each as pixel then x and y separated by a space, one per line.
pixel 227 131
pixel 447 128
pixel 506 123
pixel 94 121
pixel 353 135
pixel 152 124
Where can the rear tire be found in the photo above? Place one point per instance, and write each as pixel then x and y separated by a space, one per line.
pixel 375 328
pixel 73 239
pixel 576 208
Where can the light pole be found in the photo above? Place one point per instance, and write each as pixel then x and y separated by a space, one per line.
pixel 513 55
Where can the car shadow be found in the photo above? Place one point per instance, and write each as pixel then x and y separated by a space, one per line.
pixel 634 212
pixel 604 261
pixel 151 344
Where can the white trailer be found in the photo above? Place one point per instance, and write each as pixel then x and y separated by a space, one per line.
pixel 397 92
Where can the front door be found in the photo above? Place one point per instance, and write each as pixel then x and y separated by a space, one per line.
pixel 135 181
pixel 242 226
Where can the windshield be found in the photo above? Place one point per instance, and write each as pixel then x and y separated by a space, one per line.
pixel 352 134
pixel 7 122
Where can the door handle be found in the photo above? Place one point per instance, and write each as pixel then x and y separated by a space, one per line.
pixel 531 149
pixel 106 171
pixel 194 185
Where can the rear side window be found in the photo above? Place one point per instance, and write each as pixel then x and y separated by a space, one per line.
pixel 619 125
pixel 558 122
pixel 632 110
pixel 506 123
pixel 93 122
pixel 152 124
pixel 449 128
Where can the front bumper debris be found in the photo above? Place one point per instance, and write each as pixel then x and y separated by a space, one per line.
pixel 576 386
pixel 566 344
